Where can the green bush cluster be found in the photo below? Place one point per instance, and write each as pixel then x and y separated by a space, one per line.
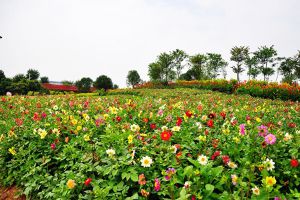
pixel 260 89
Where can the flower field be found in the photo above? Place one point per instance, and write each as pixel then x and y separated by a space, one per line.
pixel 160 144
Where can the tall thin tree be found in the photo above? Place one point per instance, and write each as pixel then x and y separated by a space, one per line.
pixel 239 55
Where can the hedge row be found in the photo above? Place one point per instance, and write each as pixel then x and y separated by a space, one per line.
pixel 263 89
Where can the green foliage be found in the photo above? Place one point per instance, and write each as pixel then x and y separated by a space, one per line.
pixel 84 84
pixel 179 57
pixel 288 69
pixel 133 78
pixel 5 85
pixel 2 75
pixel 18 78
pixel 253 70
pixel 198 67
pixel 19 87
pixel 266 57
pixel 44 79
pixel 215 63
pixel 165 62
pixel 80 129
pixel 155 71
pixel 32 74
pixel 101 92
pixel 104 82
pixel 163 68
pixel 239 55
pixel 65 82
pixel 115 86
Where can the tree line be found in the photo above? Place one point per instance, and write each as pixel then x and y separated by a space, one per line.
pixel 264 61
pixel 31 81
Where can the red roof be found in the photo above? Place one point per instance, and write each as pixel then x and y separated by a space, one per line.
pixel 50 86
pixel 73 88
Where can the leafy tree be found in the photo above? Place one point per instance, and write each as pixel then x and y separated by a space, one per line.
pixel 5 84
pixel 162 69
pixel 18 78
pixel 2 75
pixel 84 84
pixel 297 59
pixel 266 58
pixel 239 55
pixel 155 72
pixel 288 69
pixel 44 79
pixel 253 71
pixel 165 61
pixel 198 66
pixel 188 75
pixel 133 78
pixel 104 82
pixel 32 74
pixel 34 85
pixel 215 63
pixel 19 87
pixel 178 58
pixel 65 82
pixel 115 86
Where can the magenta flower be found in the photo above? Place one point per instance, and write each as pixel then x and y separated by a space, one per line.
pixel 270 139
pixel 160 112
pixel 169 118
pixel 53 146
pixel 44 115
pixel 170 172
pixel 99 121
pixel 242 129
pixel 262 130
pixel 156 184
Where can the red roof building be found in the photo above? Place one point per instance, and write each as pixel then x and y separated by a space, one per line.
pixel 50 86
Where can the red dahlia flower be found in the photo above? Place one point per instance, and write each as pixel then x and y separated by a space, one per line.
pixel 153 126
pixel 188 113
pixel 225 159
pixel 215 155
pixel 87 181
pixel 19 122
pixel 44 115
pixel 292 125
pixel 210 123
pixel 223 114
pixel 179 121
pixel 294 163
pixel 118 118
pixel 53 146
pixel 166 135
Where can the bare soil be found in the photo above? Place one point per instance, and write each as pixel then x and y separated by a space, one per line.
pixel 10 193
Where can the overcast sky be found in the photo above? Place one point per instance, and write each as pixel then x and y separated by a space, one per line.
pixel 71 39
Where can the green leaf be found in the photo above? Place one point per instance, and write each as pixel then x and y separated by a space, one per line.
pixel 210 188
pixel 194 162
pixel 134 177
pixel 217 171
pixel 134 196
pixel 124 174
pixel 188 171
pixel 182 192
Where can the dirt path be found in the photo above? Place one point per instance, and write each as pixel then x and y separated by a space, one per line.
pixel 10 193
